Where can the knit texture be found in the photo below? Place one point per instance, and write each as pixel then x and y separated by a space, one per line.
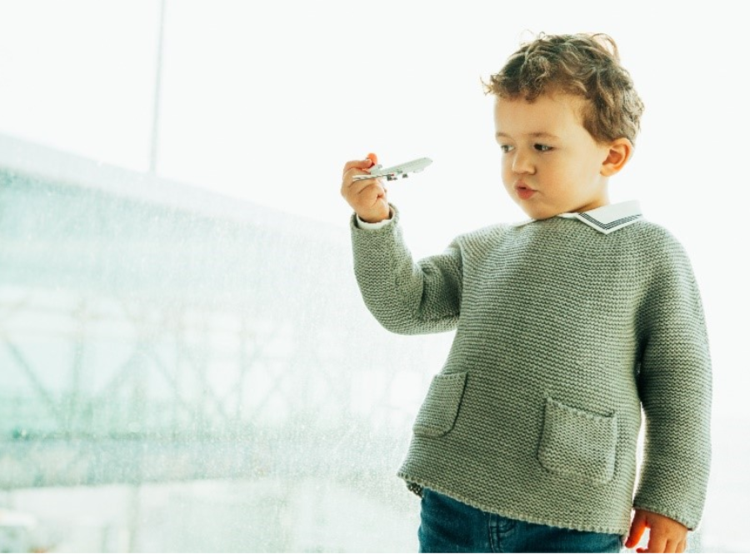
pixel 564 337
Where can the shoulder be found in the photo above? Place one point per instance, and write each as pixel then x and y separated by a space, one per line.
pixel 662 256
pixel 655 241
pixel 653 229
pixel 485 234
pixel 483 238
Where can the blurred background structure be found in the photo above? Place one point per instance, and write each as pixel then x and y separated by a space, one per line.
pixel 152 333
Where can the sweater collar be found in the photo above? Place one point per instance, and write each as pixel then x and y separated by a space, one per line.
pixel 609 218
pixel 606 219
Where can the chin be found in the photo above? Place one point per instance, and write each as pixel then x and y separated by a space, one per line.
pixel 539 213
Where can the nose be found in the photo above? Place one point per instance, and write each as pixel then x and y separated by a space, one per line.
pixel 522 162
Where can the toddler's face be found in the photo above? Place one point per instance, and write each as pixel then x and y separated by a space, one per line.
pixel 551 164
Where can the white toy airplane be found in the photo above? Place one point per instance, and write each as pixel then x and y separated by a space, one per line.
pixel 393 173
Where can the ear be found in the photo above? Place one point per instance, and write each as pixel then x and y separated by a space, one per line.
pixel 618 154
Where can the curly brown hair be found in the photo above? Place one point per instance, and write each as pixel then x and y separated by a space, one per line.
pixel 585 65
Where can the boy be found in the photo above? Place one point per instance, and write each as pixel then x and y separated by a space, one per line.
pixel 567 326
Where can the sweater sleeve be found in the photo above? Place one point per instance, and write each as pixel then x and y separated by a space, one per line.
pixel 406 297
pixel 674 384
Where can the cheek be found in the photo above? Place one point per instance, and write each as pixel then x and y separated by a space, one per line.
pixel 564 171
pixel 507 170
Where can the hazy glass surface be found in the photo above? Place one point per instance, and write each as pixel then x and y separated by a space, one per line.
pixel 195 379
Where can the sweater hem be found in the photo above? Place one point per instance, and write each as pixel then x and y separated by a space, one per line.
pixel 426 484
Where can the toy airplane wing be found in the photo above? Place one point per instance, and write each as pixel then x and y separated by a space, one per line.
pixel 393 173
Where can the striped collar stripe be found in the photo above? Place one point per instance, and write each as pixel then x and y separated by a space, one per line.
pixel 611 217
pixel 607 228
pixel 606 219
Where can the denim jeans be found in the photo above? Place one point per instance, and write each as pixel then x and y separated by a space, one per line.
pixel 451 526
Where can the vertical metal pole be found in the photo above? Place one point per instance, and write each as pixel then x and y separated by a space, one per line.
pixel 134 511
pixel 157 94
pixel 133 515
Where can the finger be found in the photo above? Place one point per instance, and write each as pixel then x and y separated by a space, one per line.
pixel 363 192
pixel 680 545
pixel 350 184
pixel 352 171
pixel 361 164
pixel 374 190
pixel 670 546
pixel 373 158
pixel 358 164
pixel 637 527
pixel 656 543
pixel 371 197
pixel 347 178
pixel 357 187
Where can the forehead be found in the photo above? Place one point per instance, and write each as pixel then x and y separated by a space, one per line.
pixel 557 114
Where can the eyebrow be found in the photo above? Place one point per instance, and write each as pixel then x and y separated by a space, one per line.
pixel 532 135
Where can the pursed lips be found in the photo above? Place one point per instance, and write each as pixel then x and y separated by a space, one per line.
pixel 524 191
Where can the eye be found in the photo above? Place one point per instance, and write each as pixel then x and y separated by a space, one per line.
pixel 506 148
pixel 542 147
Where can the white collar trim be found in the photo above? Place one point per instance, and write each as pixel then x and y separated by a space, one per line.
pixel 606 219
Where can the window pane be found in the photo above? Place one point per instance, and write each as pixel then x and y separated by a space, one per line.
pixel 194 361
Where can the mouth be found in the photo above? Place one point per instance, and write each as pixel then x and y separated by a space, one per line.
pixel 524 192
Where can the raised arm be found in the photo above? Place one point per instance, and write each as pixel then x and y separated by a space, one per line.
pixel 405 296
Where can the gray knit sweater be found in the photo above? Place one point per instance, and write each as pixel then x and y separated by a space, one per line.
pixel 563 334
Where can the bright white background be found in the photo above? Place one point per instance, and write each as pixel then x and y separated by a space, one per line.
pixel 266 101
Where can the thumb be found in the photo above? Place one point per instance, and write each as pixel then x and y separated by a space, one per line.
pixel 637 527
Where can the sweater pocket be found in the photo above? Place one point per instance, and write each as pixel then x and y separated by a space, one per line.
pixel 578 443
pixel 438 413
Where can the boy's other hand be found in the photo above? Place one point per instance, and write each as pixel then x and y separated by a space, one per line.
pixel 667 535
pixel 367 197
